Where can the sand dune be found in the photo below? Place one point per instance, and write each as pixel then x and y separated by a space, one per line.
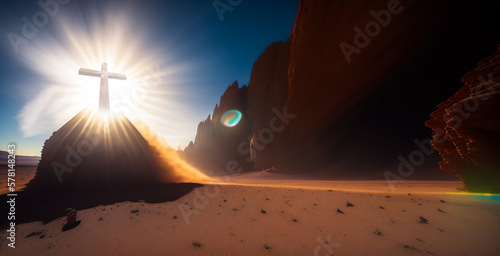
pixel 281 218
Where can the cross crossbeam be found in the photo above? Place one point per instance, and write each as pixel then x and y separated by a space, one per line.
pixel 104 90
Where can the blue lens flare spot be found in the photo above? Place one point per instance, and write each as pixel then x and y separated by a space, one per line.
pixel 231 118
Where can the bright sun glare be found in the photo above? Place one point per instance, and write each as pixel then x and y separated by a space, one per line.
pixel 149 93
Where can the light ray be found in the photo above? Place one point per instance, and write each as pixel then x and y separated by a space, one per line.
pixel 151 90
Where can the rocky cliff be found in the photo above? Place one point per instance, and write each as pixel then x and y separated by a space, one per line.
pixel 467 128
pixel 348 91
pixel 303 92
pixel 216 145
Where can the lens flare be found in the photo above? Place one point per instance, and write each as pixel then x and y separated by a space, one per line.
pixel 231 118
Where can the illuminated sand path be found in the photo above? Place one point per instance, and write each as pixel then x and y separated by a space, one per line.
pixel 376 187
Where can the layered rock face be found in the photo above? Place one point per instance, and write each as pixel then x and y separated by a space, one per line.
pixel 303 93
pixel 467 128
pixel 92 153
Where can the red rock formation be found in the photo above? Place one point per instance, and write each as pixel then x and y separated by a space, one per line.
pixel 323 89
pixel 310 76
pixel 467 128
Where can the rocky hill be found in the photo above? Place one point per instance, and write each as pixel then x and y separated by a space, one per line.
pixel 91 153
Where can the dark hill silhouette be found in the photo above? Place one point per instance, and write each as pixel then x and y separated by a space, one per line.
pixel 91 152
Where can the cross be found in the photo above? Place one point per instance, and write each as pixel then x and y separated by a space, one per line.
pixel 104 75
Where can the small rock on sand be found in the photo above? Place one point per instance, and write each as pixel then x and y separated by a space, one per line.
pixel 411 248
pixel 70 220
pixel 339 211
pixel 423 220
pixel 35 233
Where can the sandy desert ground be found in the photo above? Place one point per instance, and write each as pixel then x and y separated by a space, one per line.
pixel 252 216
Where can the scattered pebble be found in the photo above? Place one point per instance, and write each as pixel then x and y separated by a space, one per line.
pixel 35 233
pixel 381 207
pixel 349 204
pixel 339 211
pixel 262 211
pixel 423 220
pixel 411 247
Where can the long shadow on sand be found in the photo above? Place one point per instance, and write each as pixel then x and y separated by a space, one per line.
pixel 36 205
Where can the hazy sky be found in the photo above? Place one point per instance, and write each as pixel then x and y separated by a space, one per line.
pixel 191 52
